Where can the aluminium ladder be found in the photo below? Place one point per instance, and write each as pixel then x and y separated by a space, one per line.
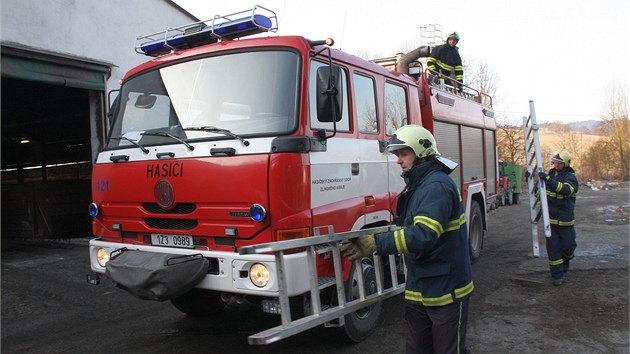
pixel 536 188
pixel 318 244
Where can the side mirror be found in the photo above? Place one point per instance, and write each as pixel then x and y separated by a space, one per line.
pixel 329 94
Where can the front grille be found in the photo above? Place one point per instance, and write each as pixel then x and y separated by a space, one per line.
pixel 180 208
pixel 171 224
pixel 200 242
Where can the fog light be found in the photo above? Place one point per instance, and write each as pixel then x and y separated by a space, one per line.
pixel 102 257
pixel 259 274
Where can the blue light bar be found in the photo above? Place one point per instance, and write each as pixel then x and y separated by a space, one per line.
pixel 199 33
pixel 178 41
pixel 242 27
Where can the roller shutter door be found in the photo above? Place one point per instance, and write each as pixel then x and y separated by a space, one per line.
pixel 472 143
pixel 491 162
pixel 447 139
pixel 53 69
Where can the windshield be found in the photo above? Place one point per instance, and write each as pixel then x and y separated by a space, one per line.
pixel 245 94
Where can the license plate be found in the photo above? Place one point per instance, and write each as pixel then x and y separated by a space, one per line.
pixel 181 241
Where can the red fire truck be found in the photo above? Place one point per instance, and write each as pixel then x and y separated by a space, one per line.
pixel 227 144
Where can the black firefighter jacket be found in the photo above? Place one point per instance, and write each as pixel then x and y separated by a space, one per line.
pixel 434 238
pixel 562 188
pixel 446 59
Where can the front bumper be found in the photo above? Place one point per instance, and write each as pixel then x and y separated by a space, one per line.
pixel 232 275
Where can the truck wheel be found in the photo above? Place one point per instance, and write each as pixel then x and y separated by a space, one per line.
pixel 475 230
pixel 515 197
pixel 510 200
pixel 198 302
pixel 361 323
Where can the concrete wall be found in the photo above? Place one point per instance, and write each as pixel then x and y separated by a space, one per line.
pixel 100 30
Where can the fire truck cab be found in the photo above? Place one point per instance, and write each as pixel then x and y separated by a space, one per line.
pixel 226 140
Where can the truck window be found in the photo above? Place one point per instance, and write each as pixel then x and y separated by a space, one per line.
pixel 365 103
pixel 247 93
pixel 344 123
pixel 139 118
pixel 395 108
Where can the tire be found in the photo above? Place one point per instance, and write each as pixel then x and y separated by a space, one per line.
pixel 510 200
pixel 199 302
pixel 475 231
pixel 361 323
pixel 515 197
pixel 502 199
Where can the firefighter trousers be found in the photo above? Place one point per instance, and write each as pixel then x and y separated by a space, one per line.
pixel 437 330
pixel 560 249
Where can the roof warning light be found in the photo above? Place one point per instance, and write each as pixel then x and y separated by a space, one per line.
pixel 219 28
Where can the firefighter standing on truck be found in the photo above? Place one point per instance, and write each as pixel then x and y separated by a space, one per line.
pixel 562 188
pixel 434 241
pixel 445 59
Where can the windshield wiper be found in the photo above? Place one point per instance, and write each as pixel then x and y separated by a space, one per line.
pixel 134 142
pixel 190 147
pixel 220 131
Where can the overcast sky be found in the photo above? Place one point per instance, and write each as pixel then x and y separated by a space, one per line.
pixel 562 54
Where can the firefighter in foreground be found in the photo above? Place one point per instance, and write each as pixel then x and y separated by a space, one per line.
pixel 434 241
pixel 562 188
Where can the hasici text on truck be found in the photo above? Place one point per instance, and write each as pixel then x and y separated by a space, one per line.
pixel 223 143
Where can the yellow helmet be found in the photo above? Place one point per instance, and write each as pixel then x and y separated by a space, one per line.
pixel 413 136
pixel 562 156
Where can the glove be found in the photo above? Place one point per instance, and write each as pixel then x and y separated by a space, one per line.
pixel 357 248
pixel 543 175
pixel 527 174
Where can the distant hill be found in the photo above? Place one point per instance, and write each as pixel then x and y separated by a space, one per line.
pixel 585 126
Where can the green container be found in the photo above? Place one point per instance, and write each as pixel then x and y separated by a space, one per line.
pixel 513 172
pixel 511 194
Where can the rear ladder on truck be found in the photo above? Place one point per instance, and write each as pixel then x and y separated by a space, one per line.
pixel 537 188
pixel 320 315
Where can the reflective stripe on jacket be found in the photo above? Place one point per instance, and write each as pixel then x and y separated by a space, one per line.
pixel 446 59
pixel 434 239
pixel 562 188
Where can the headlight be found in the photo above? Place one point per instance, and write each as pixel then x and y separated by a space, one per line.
pixel 259 274
pixel 102 257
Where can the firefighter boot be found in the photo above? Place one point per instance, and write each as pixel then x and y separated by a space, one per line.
pixel 565 265
pixel 557 282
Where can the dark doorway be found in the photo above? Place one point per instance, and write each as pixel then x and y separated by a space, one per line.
pixel 46 160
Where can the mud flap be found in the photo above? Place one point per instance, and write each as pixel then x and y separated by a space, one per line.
pixel 156 276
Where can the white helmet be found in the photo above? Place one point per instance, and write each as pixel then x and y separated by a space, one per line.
pixel 415 137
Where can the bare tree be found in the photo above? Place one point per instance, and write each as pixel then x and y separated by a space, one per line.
pixel 510 138
pixel 610 157
pixel 482 78
pixel 616 125
pixel 511 143
pixel 572 141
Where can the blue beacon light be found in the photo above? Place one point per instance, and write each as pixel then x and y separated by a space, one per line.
pixel 257 212
pixel 93 209
pixel 197 34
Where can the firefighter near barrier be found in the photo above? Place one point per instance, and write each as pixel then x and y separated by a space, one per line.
pixel 232 168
